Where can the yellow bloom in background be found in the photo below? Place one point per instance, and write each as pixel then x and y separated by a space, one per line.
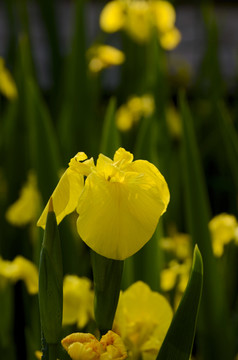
pixel 173 121
pixel 179 245
pixel 139 18
pixel 178 261
pixel 103 56
pixel 20 269
pixel 77 300
pixel 85 346
pixel 142 320
pixel 26 209
pixel 119 206
pixel 176 274
pixel 138 21
pixel 113 16
pixel 7 84
pixel 224 229
pixel 164 15
pixel 136 107
pixel 124 118
pixel 170 39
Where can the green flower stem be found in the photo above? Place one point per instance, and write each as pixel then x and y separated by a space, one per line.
pixel 52 352
pixel 51 285
pixel 107 275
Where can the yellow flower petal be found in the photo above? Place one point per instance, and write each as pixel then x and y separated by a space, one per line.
pixel 26 209
pixel 124 118
pixel 77 300
pixel 7 84
pixel 170 39
pixel 103 56
pixel 112 347
pixel 119 208
pixel 112 17
pixel 142 320
pixel 223 229
pixel 164 15
pixel 20 269
pixel 138 21
pixel 66 194
pixel 82 346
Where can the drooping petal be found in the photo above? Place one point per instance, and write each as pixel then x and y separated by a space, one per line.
pixel 116 218
pixel 65 196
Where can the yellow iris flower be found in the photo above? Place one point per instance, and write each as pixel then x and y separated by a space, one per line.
pixel 224 229
pixel 142 319
pixel 7 85
pixel 20 269
pixel 103 56
pixel 84 346
pixel 77 301
pixel 26 209
pixel 119 205
pixel 136 107
pixel 139 17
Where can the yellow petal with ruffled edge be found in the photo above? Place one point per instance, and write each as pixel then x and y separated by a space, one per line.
pixel 120 205
pixel 67 192
pixel 112 17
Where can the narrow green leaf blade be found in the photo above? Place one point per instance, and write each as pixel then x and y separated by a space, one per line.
pixel 215 338
pixel 51 282
pixel 180 336
pixel 110 136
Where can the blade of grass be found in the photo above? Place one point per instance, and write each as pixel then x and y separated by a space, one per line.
pixel 215 336
pixel 110 141
pixel 180 336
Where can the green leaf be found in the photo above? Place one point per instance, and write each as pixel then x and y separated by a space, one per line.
pixel 215 337
pixel 110 136
pixel 107 274
pixel 229 138
pixel 51 282
pixel 178 342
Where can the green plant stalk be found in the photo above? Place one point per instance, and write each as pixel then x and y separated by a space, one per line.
pixel 107 274
pixel 51 285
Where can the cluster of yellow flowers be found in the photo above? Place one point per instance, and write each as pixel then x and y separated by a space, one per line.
pixel 140 325
pixel 136 107
pixel 175 275
pixel 139 18
pixel 119 204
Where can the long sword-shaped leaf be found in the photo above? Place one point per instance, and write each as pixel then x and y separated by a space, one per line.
pixel 178 342
pixel 214 328
pixel 110 136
